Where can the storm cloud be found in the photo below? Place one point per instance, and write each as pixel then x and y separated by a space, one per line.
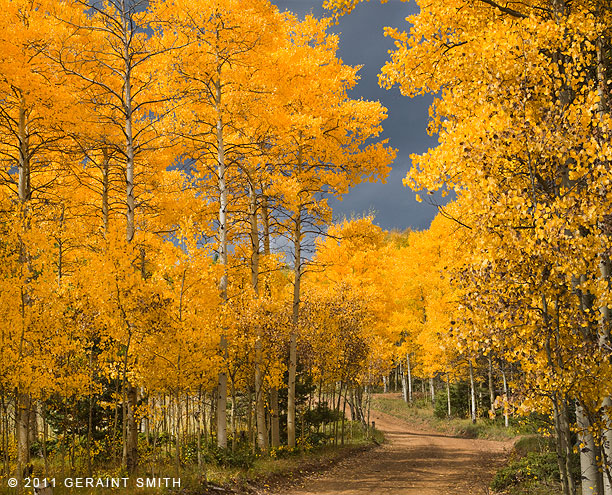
pixel 362 42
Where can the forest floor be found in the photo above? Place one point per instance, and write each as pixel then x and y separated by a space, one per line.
pixel 412 461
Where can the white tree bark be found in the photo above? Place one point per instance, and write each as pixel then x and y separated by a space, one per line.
pixel 260 409
pixel 432 391
pixel 506 419
pixel 491 387
pixel 404 384
pixel 22 398
pixel 222 230
pixel 297 271
pixel 409 372
pixel 472 393
pixel 588 455
pixel 448 397
pixel 294 327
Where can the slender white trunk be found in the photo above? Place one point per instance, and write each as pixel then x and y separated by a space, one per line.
pixel 274 406
pixel 23 399
pixel 297 270
pixel 275 417
pixel 409 372
pixel 260 409
pixel 131 438
pixel 588 452
pixel 404 385
pixel 129 138
pixel 23 185
pixel 223 204
pixel 432 391
pixel 604 339
pixel 105 186
pixel 491 387
pixel 506 419
pixel 472 393
pixel 448 397
pixel 293 336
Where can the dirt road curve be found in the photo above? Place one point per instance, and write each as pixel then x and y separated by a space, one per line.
pixel 412 462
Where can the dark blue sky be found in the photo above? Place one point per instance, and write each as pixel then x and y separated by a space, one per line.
pixel 362 43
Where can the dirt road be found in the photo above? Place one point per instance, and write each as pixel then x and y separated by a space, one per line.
pixel 411 462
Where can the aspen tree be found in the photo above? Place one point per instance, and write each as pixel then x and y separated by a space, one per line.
pixel 226 45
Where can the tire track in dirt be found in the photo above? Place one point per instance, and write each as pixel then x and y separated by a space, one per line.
pixel 411 462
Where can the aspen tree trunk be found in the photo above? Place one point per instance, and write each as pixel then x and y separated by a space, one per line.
pixel 131 438
pixel 45 439
pixel 23 399
pixel 129 144
pixel 297 270
pixel 604 268
pixel 567 443
pixel 409 377
pixel 223 204
pixel 404 385
pixel 343 415
pixel 588 463
pixel 491 388
pixel 131 448
pixel 5 433
pixel 147 418
pixel 252 437
pixel 90 417
pixel 260 409
pixel 560 416
pixel 369 400
pixel 560 447
pixel 432 391
pixel 177 437
pixel 233 411
pixel 105 186
pixel 33 428
pixel 275 417
pixel 199 422
pixel 448 397
pixel 604 340
pixel 472 393
pixel 274 407
pixel 293 336
pixel 506 419
pixel 385 387
pixel 187 431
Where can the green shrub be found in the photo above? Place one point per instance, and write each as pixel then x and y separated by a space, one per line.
pixel 317 438
pixel 283 451
pixel 459 394
pixel 538 466
pixel 321 414
pixel 535 466
pixel 533 443
pixel 242 457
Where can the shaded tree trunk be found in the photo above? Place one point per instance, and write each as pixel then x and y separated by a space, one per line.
pixel 223 227
pixel 297 271
pixel 472 394
pixel 591 477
